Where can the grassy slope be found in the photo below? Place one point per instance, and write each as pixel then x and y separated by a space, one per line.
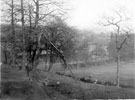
pixel 16 86
pixel 94 90
pixel 16 82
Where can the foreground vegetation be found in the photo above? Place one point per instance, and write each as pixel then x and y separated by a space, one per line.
pixel 16 86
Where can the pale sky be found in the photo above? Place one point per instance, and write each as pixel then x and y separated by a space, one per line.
pixel 86 14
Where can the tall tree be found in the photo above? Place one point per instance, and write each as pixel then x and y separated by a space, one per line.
pixel 119 43
pixel 23 31
pixel 11 12
pixel 37 12
pixel 13 30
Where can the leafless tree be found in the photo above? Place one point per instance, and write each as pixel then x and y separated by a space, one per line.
pixel 30 12
pixel 47 8
pixel 11 13
pixel 112 21
pixel 13 30
pixel 37 12
pixel 23 30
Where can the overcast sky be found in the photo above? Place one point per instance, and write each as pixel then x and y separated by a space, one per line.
pixel 86 14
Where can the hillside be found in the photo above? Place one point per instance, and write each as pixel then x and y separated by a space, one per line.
pixel 16 86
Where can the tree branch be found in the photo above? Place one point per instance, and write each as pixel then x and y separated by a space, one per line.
pixel 121 45
pixel 46 15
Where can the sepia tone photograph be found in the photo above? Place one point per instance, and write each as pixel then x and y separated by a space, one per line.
pixel 67 49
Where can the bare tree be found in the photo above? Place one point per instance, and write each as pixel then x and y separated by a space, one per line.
pixel 13 30
pixel 37 12
pixel 10 12
pixel 23 30
pixel 45 10
pixel 30 15
pixel 119 44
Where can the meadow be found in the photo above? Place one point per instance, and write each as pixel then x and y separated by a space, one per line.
pixel 68 88
pixel 107 72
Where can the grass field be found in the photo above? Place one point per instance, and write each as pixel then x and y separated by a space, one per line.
pixel 16 84
pixel 105 72
pixel 108 72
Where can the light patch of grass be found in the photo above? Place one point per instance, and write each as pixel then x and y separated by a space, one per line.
pixel 108 72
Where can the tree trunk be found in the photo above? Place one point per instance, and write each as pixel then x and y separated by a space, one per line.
pixel 118 65
pixel 51 61
pixel 5 54
pixel 37 13
pixel 46 57
pixel 30 19
pixel 118 57
pixel 22 20
pixel 13 33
